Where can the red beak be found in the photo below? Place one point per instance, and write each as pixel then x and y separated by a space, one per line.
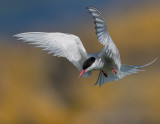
pixel 82 72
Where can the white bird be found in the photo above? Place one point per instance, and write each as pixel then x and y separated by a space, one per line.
pixel 70 46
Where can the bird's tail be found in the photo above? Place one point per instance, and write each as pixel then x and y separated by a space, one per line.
pixel 124 71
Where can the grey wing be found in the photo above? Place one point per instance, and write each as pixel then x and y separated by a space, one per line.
pixel 104 38
pixel 59 44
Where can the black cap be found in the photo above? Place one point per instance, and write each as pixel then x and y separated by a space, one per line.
pixel 88 63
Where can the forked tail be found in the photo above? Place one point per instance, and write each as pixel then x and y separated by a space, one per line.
pixel 124 71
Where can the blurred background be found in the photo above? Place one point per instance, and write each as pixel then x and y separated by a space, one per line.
pixel 37 88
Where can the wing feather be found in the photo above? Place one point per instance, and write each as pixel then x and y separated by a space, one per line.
pixel 58 44
pixel 104 38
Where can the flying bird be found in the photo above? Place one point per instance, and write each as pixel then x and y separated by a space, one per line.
pixel 66 45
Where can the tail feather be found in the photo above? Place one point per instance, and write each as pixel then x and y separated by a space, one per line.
pixel 124 71
pixel 140 66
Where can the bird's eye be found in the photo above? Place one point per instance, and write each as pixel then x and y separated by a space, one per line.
pixel 88 63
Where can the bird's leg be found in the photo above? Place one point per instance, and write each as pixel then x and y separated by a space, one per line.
pixel 104 73
pixel 114 70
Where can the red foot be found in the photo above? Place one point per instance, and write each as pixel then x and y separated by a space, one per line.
pixel 104 74
pixel 114 70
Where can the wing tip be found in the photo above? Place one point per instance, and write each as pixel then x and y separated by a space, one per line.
pixel 16 35
pixel 26 33
pixel 19 35
pixel 91 7
pixel 94 8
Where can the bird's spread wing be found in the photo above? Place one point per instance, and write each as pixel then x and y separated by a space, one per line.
pixel 59 44
pixel 104 38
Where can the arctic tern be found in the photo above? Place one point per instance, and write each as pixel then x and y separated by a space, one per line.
pixel 66 45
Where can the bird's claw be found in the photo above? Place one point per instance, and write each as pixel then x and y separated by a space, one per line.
pixel 104 74
pixel 114 70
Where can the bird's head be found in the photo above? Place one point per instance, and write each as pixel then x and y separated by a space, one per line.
pixel 88 65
